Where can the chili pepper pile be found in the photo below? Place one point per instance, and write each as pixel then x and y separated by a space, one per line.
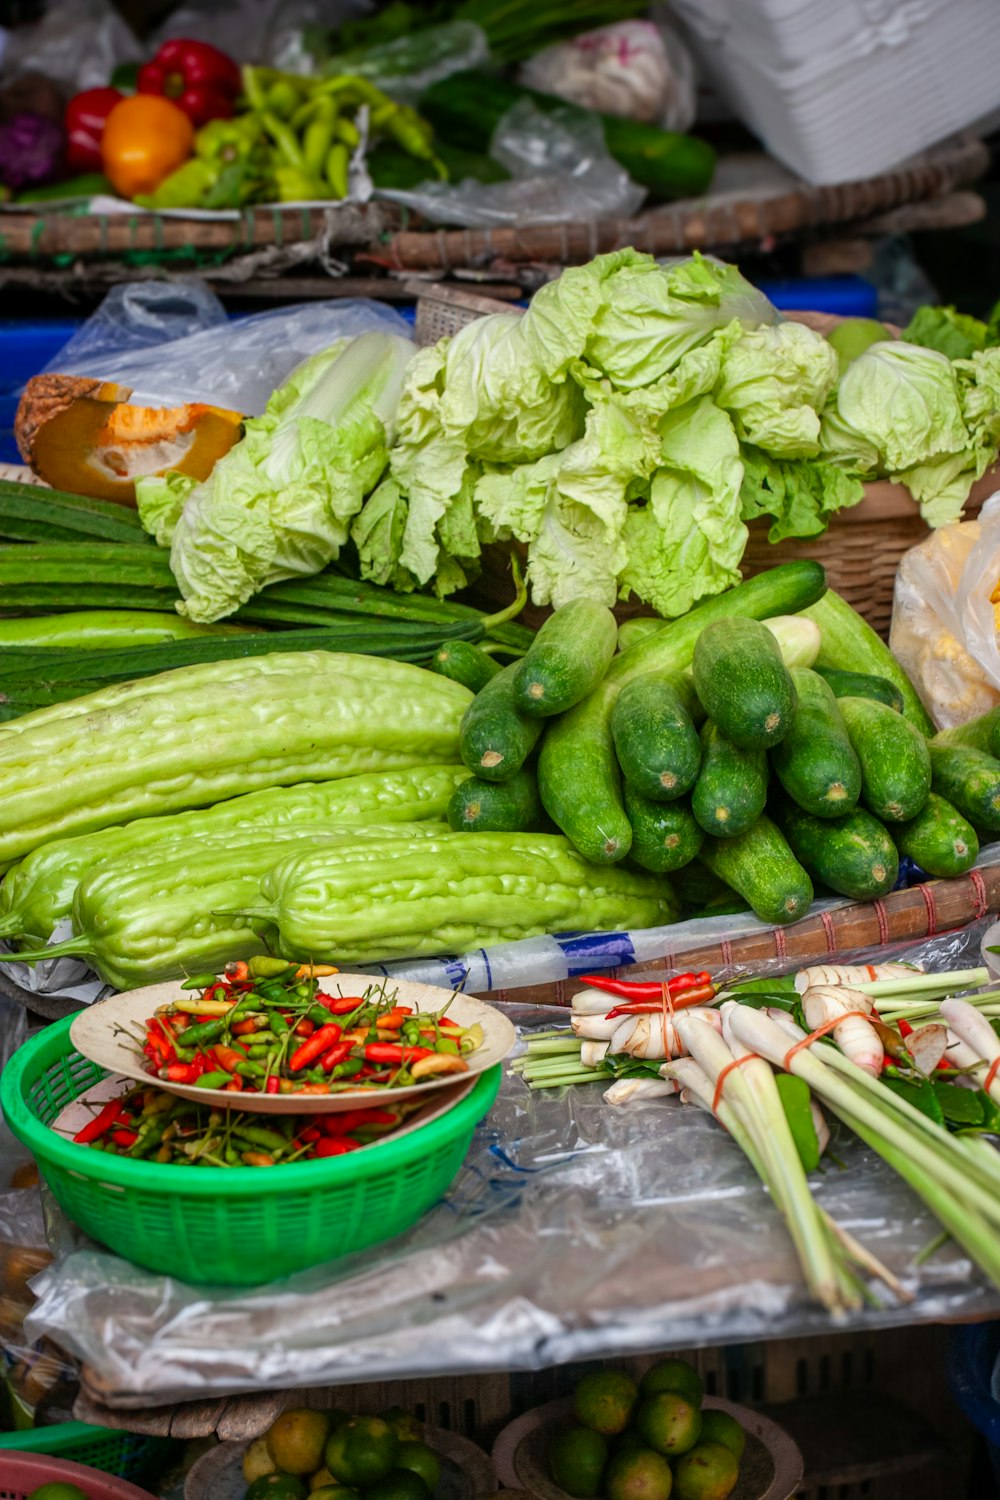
pixel 150 1125
pixel 267 1027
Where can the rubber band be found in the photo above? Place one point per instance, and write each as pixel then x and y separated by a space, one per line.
pixel 883 925
pixel 979 886
pixel 820 1031
pixel 991 1075
pixel 830 930
pixel 737 1062
pixel 928 895
pixel 780 946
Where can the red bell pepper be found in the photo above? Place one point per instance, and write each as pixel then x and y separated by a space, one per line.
pixel 84 121
pixel 197 77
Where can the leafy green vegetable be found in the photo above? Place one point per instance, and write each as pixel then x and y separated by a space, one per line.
pixel 774 382
pixel 921 1095
pixel 954 334
pixel 960 1106
pixel 801 495
pixel 281 502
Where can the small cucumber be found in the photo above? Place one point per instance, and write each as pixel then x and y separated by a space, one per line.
pixel 815 762
pixel 743 683
pixel 465 663
pixel 938 839
pixel 665 835
pixel 895 762
pixel 978 734
pixel 657 745
pixel 731 789
pixel 494 739
pixel 636 629
pixel 496 806
pixel 970 780
pixel 860 685
pixel 566 660
pixel 581 786
pixel 762 868
pixel 854 856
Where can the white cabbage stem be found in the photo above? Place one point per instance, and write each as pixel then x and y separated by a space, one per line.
pixel 628 1090
pixel 592 1054
pixel 851 974
pixel 855 1036
pixel 977 1033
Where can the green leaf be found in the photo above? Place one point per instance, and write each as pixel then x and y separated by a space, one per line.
pixel 783 984
pixel 795 1097
pixel 960 1106
pixel 761 1000
pixel 921 1095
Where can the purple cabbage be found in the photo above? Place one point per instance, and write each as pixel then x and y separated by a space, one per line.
pixel 31 150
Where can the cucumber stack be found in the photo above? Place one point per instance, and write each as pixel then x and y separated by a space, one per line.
pixel 711 742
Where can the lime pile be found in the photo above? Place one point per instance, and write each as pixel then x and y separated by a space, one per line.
pixel 330 1455
pixel 58 1489
pixel 646 1442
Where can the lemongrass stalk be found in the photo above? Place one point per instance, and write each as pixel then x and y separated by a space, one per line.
pixel 554 1034
pixel 777 1149
pixel 628 1090
pixel 554 1047
pixel 564 1080
pixel 976 1032
pixel 592 1054
pixel 924 984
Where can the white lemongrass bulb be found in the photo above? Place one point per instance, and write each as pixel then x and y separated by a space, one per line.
pixel 595 1028
pixel 592 1003
pixel 623 1034
pixel 693 1080
pixel 960 1054
pixel 974 1029
pixel 769 1038
pixel 838 974
pixel 854 1034
pixel 629 1090
pixel 592 1054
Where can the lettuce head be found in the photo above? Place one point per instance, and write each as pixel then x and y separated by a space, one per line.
pixel 774 381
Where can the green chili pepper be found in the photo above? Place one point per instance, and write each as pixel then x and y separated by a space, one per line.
pixel 283 97
pixel 198 982
pixel 279 1026
pixel 206 1031
pixel 320 1015
pixel 337 163
pixel 263 966
pixel 318 137
pixel 348 1069
pixel 249 1069
pixel 255 87
pixel 284 139
pixel 445 1044
pixel 259 1135
pixel 346 131
pixel 226 141
pixel 213 1080
pixel 185 188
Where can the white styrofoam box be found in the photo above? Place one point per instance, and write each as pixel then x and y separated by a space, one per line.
pixel 846 90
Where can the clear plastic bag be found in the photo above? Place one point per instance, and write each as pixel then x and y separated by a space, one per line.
pixel 944 629
pixel 77 43
pixel 259 31
pixel 408 66
pixel 637 69
pixel 173 343
pixel 560 169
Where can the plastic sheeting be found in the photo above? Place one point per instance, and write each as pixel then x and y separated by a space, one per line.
pixel 574 1230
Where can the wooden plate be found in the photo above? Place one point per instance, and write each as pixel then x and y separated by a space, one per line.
pixel 466 1472
pixel 771 1467
pixel 107 1033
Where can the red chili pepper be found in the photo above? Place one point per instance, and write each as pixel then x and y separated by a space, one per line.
pixel 181 1073
pixel 271 1086
pixel 320 1042
pixel 310 1134
pixel 337 1054
pixel 304 1028
pixel 228 1057
pixel 99 1125
pixel 393 1052
pixel 339 1005
pixel 392 1020
pixel 695 995
pixel 338 1147
pixel 201 80
pixel 124 1137
pixel 644 989
pixel 353 1119
pixel 449 1023
pixel 84 121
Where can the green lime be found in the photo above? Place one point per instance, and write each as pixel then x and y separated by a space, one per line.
pixel 404 1424
pixel 577 1457
pixel 401 1484
pixel 276 1487
pixel 362 1451
pixel 720 1427
pixel 57 1490
pixel 604 1401
pixel 421 1460
pixel 708 1472
pixel 297 1439
pixel 673 1375
pixel 638 1474
pixel 668 1423
pixel 334 1492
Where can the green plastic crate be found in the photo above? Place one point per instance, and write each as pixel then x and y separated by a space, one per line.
pixel 128 1455
pixel 240 1227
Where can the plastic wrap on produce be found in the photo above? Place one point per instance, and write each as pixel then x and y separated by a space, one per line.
pixel 574 1230
pixel 173 343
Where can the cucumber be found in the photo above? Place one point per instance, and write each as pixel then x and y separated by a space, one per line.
pixel 854 856
pixel 657 745
pixel 978 734
pixel 939 839
pixel 566 660
pixel 743 683
pixel 665 835
pixel 861 685
pixel 970 780
pixel 496 806
pixel 815 762
pixel 762 868
pixel 465 663
pixel 581 790
pixel 895 761
pixel 731 789
pixel 785 589
pixel 637 629
pixel 851 645
pixel 494 739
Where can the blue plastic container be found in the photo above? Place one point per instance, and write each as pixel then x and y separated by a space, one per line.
pixel 25 349
pixel 846 296
pixel 971 1359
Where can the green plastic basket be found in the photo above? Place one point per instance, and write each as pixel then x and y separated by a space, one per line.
pixel 239 1227
pixel 128 1455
